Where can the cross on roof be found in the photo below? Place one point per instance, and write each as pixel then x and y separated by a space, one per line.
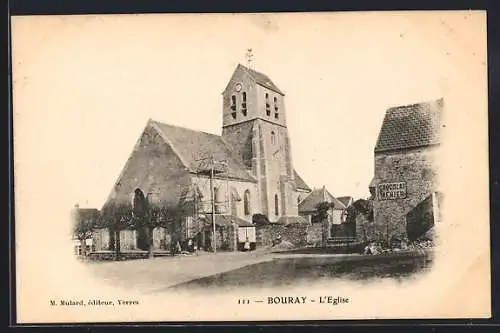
pixel 249 56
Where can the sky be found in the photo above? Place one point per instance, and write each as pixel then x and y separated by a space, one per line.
pixel 85 86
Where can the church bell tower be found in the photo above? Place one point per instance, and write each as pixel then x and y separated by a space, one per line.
pixel 254 123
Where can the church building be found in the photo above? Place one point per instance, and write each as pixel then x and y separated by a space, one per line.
pixel 251 163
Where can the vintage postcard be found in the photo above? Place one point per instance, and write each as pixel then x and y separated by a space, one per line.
pixel 256 167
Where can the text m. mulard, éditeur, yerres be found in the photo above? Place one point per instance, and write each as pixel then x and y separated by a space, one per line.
pixel 93 302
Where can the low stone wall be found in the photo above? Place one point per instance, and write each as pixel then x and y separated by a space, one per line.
pixel 365 229
pixel 128 240
pixel 315 234
pixel 295 234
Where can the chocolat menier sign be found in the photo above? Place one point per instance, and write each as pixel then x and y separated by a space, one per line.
pixel 391 191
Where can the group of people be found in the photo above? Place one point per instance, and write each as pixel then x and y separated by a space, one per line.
pixel 190 247
pixel 372 249
pixel 376 248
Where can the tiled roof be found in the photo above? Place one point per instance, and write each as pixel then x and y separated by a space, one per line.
pixel 410 126
pixel 262 79
pixel 193 146
pixel 300 183
pixel 317 196
pixel 87 213
pixel 345 200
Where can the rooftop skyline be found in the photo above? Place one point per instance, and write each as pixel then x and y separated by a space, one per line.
pixel 98 82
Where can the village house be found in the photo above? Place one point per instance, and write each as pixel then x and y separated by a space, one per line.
pixel 346 201
pixel 324 229
pixel 308 206
pixel 84 220
pixel 405 183
pixel 247 170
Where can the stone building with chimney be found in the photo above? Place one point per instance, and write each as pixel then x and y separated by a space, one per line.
pixel 405 183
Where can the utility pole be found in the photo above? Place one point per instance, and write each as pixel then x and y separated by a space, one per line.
pixel 212 199
pixel 212 169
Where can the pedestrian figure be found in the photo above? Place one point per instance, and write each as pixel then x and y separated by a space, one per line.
pixel 277 240
pixel 246 247
pixel 173 248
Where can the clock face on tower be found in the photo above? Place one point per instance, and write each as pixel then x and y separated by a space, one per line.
pixel 237 87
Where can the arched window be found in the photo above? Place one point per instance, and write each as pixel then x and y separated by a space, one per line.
pixel 217 200
pixel 268 107
pixel 276 205
pixel 216 194
pixel 276 115
pixel 273 138
pixel 246 202
pixel 244 104
pixel 234 209
pixel 233 106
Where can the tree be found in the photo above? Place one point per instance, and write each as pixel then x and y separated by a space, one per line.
pixel 361 214
pixel 322 210
pixel 142 216
pixel 164 215
pixel 83 226
pixel 260 219
pixel 117 217
pixel 150 214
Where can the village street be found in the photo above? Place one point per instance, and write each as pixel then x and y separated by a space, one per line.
pixel 150 275
pixel 231 269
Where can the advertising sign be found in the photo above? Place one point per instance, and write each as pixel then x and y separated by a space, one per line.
pixel 391 191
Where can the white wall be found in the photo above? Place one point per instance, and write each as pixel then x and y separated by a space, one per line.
pixel 224 187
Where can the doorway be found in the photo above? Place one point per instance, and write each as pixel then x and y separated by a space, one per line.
pixel 142 239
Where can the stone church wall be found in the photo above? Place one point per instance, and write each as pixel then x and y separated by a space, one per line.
pixel 278 169
pixel 225 203
pixel 251 90
pixel 154 168
pixel 240 138
pixel 261 105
